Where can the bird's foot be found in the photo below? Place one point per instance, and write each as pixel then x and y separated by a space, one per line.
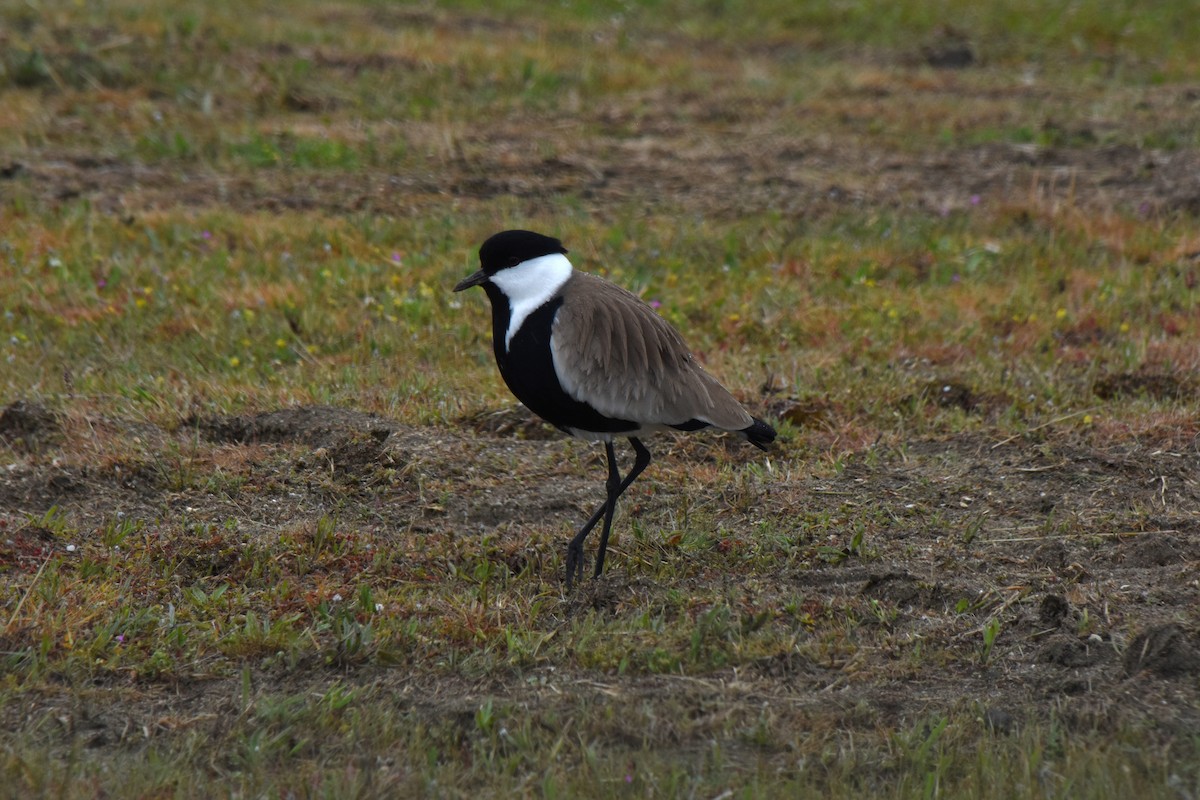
pixel 574 564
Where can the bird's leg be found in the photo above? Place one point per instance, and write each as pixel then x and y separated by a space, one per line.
pixel 612 488
pixel 633 473
pixel 641 459
pixel 575 548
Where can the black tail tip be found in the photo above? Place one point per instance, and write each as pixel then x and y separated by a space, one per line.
pixel 760 434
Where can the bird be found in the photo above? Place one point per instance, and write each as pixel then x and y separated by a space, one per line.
pixel 597 362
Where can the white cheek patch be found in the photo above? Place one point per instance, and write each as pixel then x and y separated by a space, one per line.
pixel 529 285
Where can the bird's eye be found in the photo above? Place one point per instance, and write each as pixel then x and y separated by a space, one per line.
pixel 512 261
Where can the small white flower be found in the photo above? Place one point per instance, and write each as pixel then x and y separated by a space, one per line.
pixel 379 607
pixel 70 548
pixel 337 598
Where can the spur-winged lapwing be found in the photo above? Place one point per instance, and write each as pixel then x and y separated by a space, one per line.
pixel 596 362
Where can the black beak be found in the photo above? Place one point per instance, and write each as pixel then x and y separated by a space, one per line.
pixel 471 280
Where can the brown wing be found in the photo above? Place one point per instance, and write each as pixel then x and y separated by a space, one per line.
pixel 613 352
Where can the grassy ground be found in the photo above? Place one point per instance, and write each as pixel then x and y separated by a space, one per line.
pixel 270 524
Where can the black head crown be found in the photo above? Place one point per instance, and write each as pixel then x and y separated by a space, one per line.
pixel 509 248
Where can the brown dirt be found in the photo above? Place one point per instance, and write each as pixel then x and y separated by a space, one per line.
pixel 719 153
pixel 763 172
pixel 1088 559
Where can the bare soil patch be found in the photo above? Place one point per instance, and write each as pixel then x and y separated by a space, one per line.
pixel 758 172
pixel 1087 563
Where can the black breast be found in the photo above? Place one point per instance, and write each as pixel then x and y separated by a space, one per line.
pixel 528 369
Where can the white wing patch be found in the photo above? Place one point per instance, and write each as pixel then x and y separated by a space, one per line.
pixel 529 285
